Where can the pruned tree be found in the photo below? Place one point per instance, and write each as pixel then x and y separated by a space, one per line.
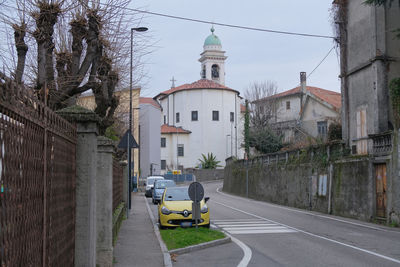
pixel 262 110
pixel 78 48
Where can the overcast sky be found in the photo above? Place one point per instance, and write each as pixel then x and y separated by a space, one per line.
pixel 252 56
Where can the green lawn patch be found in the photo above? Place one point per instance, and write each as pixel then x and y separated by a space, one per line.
pixel 184 237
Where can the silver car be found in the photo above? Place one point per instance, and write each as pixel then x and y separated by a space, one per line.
pixel 159 187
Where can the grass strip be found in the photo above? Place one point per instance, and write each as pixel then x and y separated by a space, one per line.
pixel 184 237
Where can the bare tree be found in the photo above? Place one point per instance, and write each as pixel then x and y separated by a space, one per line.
pixel 262 110
pixel 261 103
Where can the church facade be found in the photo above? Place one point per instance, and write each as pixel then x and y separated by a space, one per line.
pixel 201 117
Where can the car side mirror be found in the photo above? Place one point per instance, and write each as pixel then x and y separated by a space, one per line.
pixel 206 199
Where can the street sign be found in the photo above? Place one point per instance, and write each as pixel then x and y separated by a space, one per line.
pixel 196 191
pixel 124 141
pixel 196 194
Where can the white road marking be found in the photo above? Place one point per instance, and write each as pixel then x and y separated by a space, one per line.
pixel 247 224
pixel 314 235
pixel 271 228
pixel 246 250
pixel 246 232
pixel 237 220
pixel 252 227
pixel 311 214
pixel 240 222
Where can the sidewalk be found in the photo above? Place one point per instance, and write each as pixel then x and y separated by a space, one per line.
pixel 137 244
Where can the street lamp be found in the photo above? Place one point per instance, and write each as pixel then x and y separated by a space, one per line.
pixel 139 29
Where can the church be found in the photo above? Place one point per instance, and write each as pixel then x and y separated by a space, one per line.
pixel 201 117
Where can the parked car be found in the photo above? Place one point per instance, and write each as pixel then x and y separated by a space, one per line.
pixel 159 187
pixel 150 184
pixel 175 209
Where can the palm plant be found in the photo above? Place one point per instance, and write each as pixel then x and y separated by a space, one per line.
pixel 209 162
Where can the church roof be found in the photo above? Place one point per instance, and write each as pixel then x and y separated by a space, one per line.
pixel 200 84
pixel 149 100
pixel 331 97
pixel 212 39
pixel 169 129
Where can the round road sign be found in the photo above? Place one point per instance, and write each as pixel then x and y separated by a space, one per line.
pixel 196 191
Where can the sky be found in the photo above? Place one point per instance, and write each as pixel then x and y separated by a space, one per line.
pixel 253 56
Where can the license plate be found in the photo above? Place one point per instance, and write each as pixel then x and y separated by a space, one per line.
pixel 186 224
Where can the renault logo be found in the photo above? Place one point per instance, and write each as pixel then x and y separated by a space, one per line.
pixel 185 213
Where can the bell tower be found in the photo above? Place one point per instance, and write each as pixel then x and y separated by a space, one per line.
pixel 213 59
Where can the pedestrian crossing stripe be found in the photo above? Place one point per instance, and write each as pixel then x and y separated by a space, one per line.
pixel 251 227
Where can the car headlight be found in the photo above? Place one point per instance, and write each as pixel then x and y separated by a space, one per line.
pixel 165 211
pixel 204 209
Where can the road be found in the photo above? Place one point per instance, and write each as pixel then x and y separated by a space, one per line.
pixel 273 235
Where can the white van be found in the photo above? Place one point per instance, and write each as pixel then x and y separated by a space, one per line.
pixel 150 184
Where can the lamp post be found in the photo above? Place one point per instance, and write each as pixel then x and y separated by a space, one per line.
pixel 139 29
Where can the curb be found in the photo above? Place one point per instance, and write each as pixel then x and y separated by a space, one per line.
pixel 213 243
pixel 164 250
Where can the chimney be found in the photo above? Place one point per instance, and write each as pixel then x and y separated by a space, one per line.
pixel 303 88
pixel 303 82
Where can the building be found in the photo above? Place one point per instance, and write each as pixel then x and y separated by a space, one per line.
pixel 370 59
pixel 122 115
pixel 304 111
pixel 201 117
pixel 149 128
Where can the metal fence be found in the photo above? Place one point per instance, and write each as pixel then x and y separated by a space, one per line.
pixel 179 178
pixel 37 181
pixel 117 184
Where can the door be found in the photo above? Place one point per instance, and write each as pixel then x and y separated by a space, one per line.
pixel 380 176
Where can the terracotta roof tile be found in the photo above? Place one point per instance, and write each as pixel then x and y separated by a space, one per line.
pixel 149 100
pixel 331 97
pixel 169 129
pixel 242 108
pixel 200 84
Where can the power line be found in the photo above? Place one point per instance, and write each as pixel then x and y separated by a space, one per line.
pixel 321 61
pixel 230 25
pixel 217 23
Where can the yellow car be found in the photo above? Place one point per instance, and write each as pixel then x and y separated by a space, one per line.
pixel 175 209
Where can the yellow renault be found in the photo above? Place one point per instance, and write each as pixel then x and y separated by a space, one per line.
pixel 175 209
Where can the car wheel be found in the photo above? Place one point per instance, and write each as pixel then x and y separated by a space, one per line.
pixel 206 226
pixel 160 225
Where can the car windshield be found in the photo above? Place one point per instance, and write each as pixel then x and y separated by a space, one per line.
pixel 177 194
pixel 161 184
pixel 150 181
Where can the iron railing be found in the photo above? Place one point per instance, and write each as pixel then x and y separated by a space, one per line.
pixel 117 184
pixel 37 181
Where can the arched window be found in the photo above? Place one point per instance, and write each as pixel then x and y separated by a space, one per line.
pixel 203 72
pixel 215 71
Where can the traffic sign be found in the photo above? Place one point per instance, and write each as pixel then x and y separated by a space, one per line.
pixel 196 191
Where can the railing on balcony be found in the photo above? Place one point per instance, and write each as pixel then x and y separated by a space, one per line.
pixel 382 143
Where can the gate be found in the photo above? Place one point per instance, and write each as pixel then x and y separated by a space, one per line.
pixel 380 178
pixel 37 181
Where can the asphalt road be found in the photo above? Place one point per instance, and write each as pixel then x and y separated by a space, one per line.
pixel 273 235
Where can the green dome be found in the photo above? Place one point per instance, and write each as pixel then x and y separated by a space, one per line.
pixel 212 39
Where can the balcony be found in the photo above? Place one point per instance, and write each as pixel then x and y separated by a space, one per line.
pixel 382 143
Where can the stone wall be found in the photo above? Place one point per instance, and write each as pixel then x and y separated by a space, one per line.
pixel 204 175
pixel 316 179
